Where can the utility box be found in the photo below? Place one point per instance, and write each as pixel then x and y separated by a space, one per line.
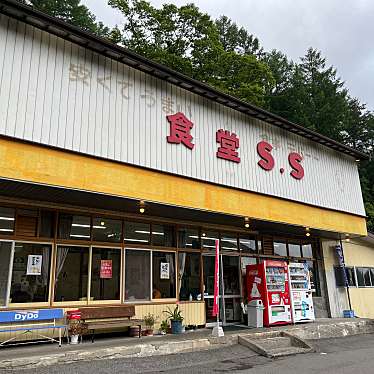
pixel 255 312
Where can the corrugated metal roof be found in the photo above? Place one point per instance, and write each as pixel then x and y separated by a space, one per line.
pixel 27 14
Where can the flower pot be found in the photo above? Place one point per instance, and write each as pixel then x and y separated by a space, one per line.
pixel 149 332
pixel 176 327
pixel 74 339
pixel 134 331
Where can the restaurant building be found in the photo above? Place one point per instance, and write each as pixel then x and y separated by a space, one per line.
pixel 117 174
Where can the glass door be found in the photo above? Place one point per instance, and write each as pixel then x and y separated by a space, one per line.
pixel 230 270
pixel 229 292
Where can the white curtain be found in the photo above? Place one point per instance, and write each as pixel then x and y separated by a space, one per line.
pixel 46 264
pixel 182 264
pixel 62 253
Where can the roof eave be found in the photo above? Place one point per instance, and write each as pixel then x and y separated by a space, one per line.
pixel 102 46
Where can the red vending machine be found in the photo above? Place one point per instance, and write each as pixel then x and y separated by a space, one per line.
pixel 269 281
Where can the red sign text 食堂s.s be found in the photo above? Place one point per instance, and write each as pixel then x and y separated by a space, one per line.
pixel 267 161
pixel 180 132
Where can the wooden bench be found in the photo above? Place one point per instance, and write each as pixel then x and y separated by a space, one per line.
pixel 21 322
pixel 109 317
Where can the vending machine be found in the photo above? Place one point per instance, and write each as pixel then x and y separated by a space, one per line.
pixel 269 281
pixel 301 293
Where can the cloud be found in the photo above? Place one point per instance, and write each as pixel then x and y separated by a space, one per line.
pixel 342 30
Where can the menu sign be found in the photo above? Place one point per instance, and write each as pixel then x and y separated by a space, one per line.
pixel 106 269
pixel 34 265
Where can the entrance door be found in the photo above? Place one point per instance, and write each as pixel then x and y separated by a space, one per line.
pixel 229 292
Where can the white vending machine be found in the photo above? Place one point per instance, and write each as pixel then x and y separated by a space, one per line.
pixel 301 293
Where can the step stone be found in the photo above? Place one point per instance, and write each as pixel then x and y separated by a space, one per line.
pixel 276 342
pixel 286 351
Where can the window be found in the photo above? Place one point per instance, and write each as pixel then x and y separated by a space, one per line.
pixel 163 235
pixel 74 227
pixel 47 224
pixel 363 277
pixel 188 238
pixel 294 250
pixel 105 274
pixel 189 275
pixel 27 222
pixel 137 275
pixel 231 273
pixel 163 275
pixel 229 242
pixel 137 233
pixel 106 230
pixel 307 250
pixel 280 249
pixel 339 276
pixel 247 244
pixel 31 272
pixel 71 273
pixel 5 255
pixel 7 220
pixel 208 240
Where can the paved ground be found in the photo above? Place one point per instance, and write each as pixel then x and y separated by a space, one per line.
pixel 353 354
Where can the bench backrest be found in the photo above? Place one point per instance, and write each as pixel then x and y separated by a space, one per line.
pixel 30 315
pixel 108 312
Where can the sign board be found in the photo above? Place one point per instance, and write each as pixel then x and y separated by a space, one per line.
pixel 31 315
pixel 34 265
pixel 106 269
pixel 165 270
pixel 153 124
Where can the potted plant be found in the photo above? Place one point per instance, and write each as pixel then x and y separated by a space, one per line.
pixel 176 320
pixel 164 327
pixel 149 320
pixel 75 330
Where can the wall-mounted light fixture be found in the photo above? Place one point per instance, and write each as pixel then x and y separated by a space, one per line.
pixel 246 222
pixel 141 206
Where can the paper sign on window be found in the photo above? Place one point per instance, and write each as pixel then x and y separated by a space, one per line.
pixel 164 270
pixel 34 265
pixel 106 269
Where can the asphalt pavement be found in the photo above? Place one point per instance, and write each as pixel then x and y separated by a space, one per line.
pixel 354 354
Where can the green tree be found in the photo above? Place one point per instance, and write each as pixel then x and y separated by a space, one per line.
pixel 189 41
pixel 237 39
pixel 73 12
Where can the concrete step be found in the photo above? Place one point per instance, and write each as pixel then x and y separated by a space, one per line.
pixel 286 351
pixel 276 344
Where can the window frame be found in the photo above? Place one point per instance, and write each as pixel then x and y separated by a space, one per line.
pixel 371 280
pixel 352 268
pixel 151 299
pixel 121 274
pixel 51 276
pixel 67 302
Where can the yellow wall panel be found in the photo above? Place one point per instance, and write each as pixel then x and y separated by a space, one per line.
pixel 34 163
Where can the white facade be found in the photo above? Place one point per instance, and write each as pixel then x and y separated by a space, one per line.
pixel 56 93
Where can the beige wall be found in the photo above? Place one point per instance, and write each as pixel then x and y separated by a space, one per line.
pixel 192 312
pixel 359 253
